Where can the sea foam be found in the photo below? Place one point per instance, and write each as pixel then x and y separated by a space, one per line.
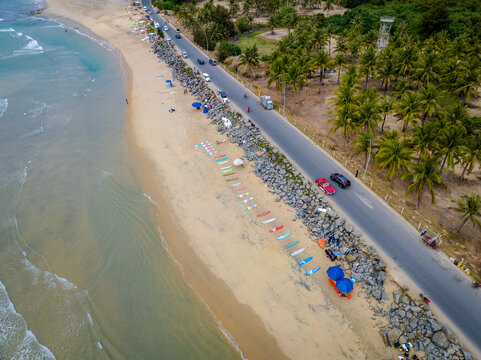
pixel 3 106
pixel 31 48
pixel 16 341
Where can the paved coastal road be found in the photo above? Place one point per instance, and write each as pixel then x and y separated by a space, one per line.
pixel 443 283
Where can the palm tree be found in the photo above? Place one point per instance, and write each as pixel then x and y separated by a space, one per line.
pixel 318 39
pixel 368 62
pixel 345 120
pixel 369 114
pixel 362 144
pixel 290 20
pixel 423 175
pixel 470 153
pixel 250 57
pixel 344 95
pixel 423 139
pixel 351 77
pixel 469 206
pixel 408 109
pixel 406 59
pixel 271 23
pixel 339 62
pixel 451 141
pixel 386 72
pixel 470 79
pixel 328 6
pixel 394 155
pixel 428 70
pixel 429 101
pixel 292 76
pixel 386 106
pixel 319 61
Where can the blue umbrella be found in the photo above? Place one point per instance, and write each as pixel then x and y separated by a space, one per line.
pixel 344 285
pixel 168 81
pixel 335 273
pixel 197 104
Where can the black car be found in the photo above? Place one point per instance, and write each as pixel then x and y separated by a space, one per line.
pixel 177 36
pixel 212 62
pixel 201 61
pixel 341 180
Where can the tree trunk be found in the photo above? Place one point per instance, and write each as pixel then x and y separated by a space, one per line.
pixel 367 79
pixel 444 162
pixel 464 222
pixel 383 121
pixel 425 115
pixel 418 202
pixel 344 144
pixel 464 171
pixel 338 74
pixel 320 82
pixel 385 88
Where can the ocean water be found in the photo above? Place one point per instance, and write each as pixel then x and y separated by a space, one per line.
pixel 83 270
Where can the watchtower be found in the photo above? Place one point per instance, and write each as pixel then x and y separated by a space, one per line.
pixel 384 30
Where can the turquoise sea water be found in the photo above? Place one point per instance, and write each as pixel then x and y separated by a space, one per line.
pixel 83 273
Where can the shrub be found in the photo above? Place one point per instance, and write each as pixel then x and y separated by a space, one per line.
pixel 243 24
pixel 226 49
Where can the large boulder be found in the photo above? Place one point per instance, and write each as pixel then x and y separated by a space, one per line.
pixel 440 339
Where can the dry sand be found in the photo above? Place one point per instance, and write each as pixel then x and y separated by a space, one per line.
pixel 242 272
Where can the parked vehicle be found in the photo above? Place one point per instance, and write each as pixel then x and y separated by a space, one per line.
pixel 425 299
pixel 177 36
pixel 178 30
pixel 168 38
pixel 184 54
pixel 223 96
pixel 201 61
pixel 267 102
pixel 213 62
pixel 166 28
pixel 341 180
pixel 325 186
pixel 430 238
pixel 206 77
pixel 156 25
pixel 475 284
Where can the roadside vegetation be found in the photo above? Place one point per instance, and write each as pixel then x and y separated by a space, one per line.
pixel 425 82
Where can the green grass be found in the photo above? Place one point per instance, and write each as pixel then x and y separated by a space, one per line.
pixel 263 45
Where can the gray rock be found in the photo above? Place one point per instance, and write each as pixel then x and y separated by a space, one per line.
pixel 396 297
pixel 440 339
pixel 376 294
pixel 467 355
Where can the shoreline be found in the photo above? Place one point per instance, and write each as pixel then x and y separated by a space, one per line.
pixel 256 295
pixel 208 288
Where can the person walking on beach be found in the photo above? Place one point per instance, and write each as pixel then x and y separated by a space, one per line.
pixel 357 173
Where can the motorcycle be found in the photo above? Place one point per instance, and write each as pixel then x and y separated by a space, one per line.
pixel 245 96
pixel 425 299
pixel 475 284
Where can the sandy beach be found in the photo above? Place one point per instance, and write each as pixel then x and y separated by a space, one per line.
pixel 245 277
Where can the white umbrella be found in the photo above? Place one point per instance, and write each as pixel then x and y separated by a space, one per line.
pixel 238 162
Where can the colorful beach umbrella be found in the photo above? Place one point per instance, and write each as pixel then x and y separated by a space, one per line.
pixel 197 105
pixel 344 285
pixel 168 81
pixel 335 273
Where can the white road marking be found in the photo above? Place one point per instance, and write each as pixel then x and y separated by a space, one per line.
pixel 366 202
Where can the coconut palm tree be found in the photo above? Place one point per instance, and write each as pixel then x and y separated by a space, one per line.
pixel 470 153
pixel 406 58
pixel 407 109
pixel 386 71
pixel 386 106
pixel 424 175
pixel 423 139
pixel 328 6
pixel 362 144
pixel 470 79
pixel 344 95
pixel 339 62
pixel 320 61
pixel 351 77
pixel 292 76
pixel 451 141
pixel 345 120
pixel 469 206
pixel 429 101
pixel 393 155
pixel 250 57
pixel 428 69
pixel 318 39
pixel 271 23
pixel 369 113
pixel 368 62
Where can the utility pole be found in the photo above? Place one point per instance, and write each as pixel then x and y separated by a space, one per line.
pixel 368 158
pixel 206 40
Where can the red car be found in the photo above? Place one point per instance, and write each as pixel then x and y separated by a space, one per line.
pixel 325 186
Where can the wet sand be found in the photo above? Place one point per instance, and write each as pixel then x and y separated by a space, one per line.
pixel 244 275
